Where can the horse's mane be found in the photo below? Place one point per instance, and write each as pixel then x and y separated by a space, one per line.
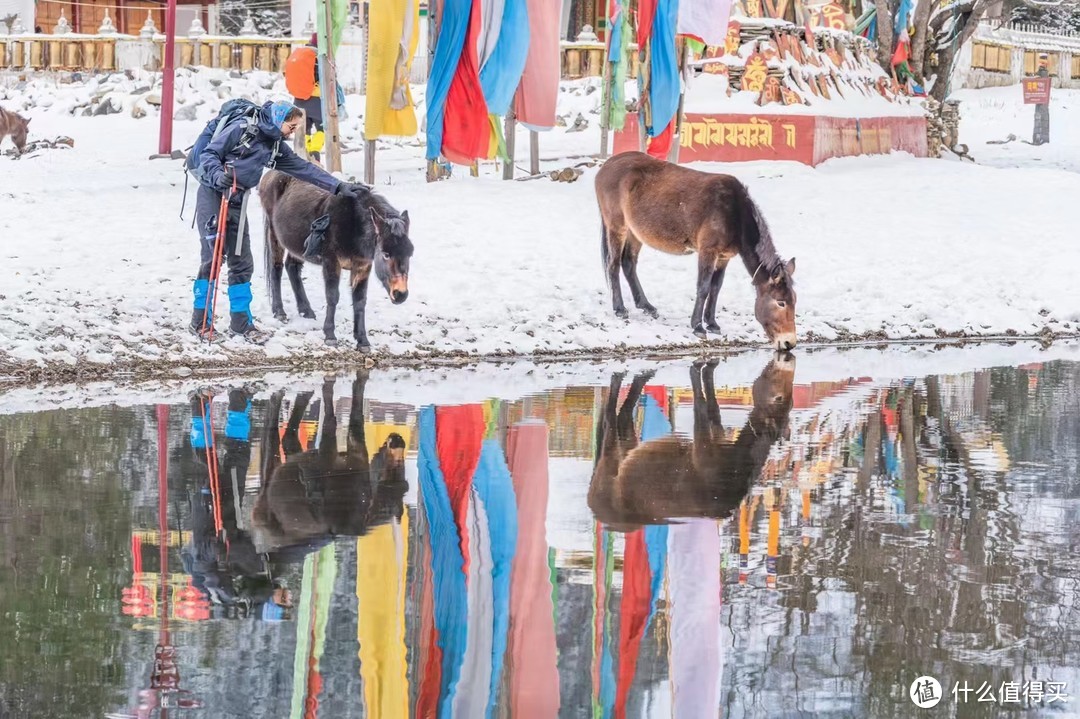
pixel 758 252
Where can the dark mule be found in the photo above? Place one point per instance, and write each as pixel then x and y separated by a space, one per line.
pixel 14 124
pixel 311 497
pixel 636 483
pixel 680 211
pixel 362 233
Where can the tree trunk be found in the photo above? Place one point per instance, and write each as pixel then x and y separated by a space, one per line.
pixel 918 43
pixel 885 12
pixel 947 56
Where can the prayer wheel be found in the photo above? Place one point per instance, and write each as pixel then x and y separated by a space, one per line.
pixel 18 54
pixel 283 52
pixel 89 55
pixel 37 54
pixel 573 63
pixel 206 54
pixel 596 62
pixel 225 56
pixel 71 55
pixel 187 53
pixel 108 55
pixel 265 58
pixel 247 58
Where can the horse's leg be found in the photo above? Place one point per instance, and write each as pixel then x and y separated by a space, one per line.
pixel 611 249
pixel 328 440
pixel 631 250
pixel 706 268
pixel 332 277
pixel 290 440
pixel 359 281
pixel 714 290
pixel 275 256
pixel 294 266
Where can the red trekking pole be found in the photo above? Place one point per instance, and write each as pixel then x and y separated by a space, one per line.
pixel 215 263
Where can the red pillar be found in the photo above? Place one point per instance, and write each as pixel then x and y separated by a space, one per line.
pixel 168 79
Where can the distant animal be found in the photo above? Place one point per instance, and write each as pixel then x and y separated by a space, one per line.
pixel 309 497
pixel 681 211
pixel 675 477
pixel 362 233
pixel 14 124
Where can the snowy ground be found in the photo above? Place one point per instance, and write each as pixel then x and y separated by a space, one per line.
pixel 98 265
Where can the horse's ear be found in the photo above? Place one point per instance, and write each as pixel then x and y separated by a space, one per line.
pixel 27 121
pixel 791 266
pixel 405 217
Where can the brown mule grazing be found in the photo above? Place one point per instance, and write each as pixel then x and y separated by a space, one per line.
pixel 674 477
pixel 14 124
pixel 681 211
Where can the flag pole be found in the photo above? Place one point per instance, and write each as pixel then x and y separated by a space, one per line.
pixel 328 85
pixel 676 140
pixel 168 81
pixel 605 112
pixel 369 145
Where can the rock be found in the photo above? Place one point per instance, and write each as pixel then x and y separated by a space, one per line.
pixel 64 141
pixel 87 111
pixel 560 121
pixel 214 82
pixel 267 83
pixel 235 74
pixel 153 99
pixel 590 89
pixel 186 113
pixel 182 371
pixel 223 93
pixel 108 106
pixel 141 90
pixel 138 112
pixel 580 123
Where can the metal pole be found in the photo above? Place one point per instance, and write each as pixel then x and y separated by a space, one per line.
pixel 369 162
pixel 168 81
pixel 511 132
pixel 534 152
pixel 676 139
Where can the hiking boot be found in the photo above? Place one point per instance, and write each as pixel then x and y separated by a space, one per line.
pixel 242 326
pixel 203 333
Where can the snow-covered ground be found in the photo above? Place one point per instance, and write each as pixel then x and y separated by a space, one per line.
pixel 97 265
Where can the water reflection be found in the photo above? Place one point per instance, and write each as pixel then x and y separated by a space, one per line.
pixel 676 545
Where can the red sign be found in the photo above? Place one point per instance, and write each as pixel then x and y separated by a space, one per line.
pixel 1036 91
pixel 808 139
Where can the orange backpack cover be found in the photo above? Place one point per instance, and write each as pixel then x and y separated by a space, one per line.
pixel 300 72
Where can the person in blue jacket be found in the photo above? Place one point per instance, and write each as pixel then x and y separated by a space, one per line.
pixel 236 158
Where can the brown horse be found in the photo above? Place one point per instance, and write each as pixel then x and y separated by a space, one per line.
pixel 362 233
pixel 16 125
pixel 680 211
pixel 636 483
pixel 313 496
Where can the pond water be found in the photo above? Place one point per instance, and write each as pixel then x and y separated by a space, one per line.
pixel 680 539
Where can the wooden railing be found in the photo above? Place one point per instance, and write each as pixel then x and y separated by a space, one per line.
pixel 112 52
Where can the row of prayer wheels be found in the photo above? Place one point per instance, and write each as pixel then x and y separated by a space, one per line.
pixel 587 60
pixel 52 53
pixel 90 53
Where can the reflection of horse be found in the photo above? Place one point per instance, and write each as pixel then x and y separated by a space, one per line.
pixel 672 477
pixel 307 498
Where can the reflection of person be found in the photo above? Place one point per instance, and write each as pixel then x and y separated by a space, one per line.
pixel 221 557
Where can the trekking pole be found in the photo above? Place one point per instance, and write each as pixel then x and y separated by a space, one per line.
pixel 219 252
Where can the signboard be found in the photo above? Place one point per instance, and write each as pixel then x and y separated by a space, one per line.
pixel 1036 91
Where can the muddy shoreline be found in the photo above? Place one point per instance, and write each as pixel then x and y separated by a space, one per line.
pixel 13 373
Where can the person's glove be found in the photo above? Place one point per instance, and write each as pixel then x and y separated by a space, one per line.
pixel 352 190
pixel 222 182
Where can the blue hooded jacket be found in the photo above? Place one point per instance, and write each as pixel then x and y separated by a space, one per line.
pixel 249 160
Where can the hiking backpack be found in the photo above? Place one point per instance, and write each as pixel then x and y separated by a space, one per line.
pixel 300 72
pixel 232 111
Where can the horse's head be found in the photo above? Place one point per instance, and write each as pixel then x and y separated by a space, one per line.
pixel 18 130
pixel 775 306
pixel 773 391
pixel 392 252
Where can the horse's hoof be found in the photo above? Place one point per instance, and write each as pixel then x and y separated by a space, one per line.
pixel 622 314
pixel 281 317
pixel 307 314
pixel 651 312
pixel 363 349
pixel 713 327
pixel 331 342
pixel 699 332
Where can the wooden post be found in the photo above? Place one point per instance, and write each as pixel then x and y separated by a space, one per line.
pixel 606 106
pixel 534 152
pixel 369 162
pixel 168 82
pixel 434 172
pixel 328 87
pixel 510 131
pixel 676 139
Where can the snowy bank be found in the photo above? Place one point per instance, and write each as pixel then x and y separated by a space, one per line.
pixel 98 265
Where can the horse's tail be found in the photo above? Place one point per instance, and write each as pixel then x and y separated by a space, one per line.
pixel 605 251
pixel 268 253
